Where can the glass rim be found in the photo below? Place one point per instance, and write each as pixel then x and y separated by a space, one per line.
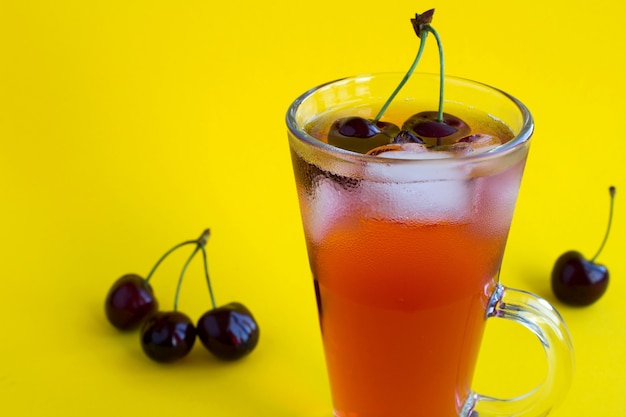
pixel 521 138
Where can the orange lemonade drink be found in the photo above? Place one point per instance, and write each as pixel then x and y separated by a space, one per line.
pixel 405 260
pixel 420 331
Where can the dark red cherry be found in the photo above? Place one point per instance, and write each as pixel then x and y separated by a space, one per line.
pixel 357 134
pixel 229 332
pixel 355 127
pixel 129 301
pixel 578 281
pixel 167 336
pixel 434 132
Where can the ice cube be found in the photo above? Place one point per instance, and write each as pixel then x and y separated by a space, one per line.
pixel 497 193
pixel 403 165
pixel 417 187
pixel 401 151
pixel 426 201
pixel 412 151
pixel 481 142
pixel 324 207
pixel 455 149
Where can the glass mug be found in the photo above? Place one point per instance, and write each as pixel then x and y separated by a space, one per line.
pixel 406 253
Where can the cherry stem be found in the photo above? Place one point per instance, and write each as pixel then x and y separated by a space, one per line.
pixel 182 274
pixel 608 229
pixel 441 71
pixel 202 245
pixel 423 36
pixel 206 274
pixel 165 255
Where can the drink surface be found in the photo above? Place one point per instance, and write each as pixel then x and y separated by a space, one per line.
pixel 401 113
pixel 404 262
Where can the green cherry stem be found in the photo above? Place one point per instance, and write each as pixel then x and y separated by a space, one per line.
pixel 202 245
pixel 423 36
pixel 206 274
pixel 441 71
pixel 182 274
pixel 608 229
pixel 165 255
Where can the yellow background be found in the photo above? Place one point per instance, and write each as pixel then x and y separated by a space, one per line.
pixel 128 126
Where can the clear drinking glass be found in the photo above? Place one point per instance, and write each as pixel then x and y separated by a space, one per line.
pixel 406 253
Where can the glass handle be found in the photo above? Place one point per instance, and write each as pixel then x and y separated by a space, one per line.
pixel 537 315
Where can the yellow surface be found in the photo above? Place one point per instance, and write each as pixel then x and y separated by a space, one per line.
pixel 126 127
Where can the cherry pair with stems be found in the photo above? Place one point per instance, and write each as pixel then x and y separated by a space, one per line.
pixel 435 129
pixel 229 332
